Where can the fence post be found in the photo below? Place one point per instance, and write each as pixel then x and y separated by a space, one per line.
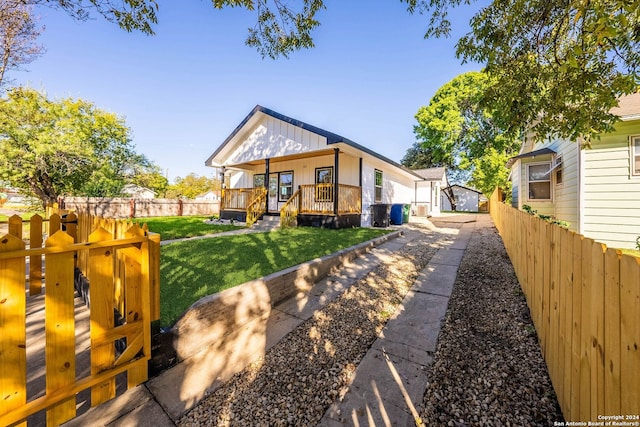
pixel 13 352
pixel 132 208
pixel 180 207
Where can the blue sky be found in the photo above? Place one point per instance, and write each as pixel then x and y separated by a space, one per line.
pixel 185 89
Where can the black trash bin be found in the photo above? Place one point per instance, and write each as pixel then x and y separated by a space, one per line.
pixel 380 215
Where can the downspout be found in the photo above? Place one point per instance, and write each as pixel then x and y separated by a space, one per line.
pixel 336 163
pixel 580 179
pixel 266 184
pixel 360 185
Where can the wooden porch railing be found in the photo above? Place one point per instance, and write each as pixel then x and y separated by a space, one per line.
pixel 319 199
pixel 123 272
pixel 289 211
pixel 257 206
pixel 239 198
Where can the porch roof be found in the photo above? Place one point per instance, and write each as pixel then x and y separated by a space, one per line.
pixel 332 138
pixel 540 152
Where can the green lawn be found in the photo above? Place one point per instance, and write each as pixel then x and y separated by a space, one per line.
pixel 175 227
pixel 192 269
pixel 23 215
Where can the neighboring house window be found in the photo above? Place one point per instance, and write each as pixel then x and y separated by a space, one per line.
pixel 324 193
pixel 539 180
pixel 558 170
pixel 635 155
pixel 258 180
pixel 378 185
pixel 285 184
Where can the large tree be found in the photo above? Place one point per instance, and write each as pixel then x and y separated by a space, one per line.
pixel 462 135
pixel 63 147
pixel 558 65
pixel 192 185
pixel 18 34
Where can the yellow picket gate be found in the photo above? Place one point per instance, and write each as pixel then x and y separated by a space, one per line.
pixel 121 273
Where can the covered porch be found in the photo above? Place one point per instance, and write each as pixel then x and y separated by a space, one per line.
pixel 326 205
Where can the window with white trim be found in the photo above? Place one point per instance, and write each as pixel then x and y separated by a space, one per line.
pixel 539 181
pixel 378 185
pixel 635 155
pixel 558 170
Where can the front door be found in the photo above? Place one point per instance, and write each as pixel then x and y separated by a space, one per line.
pixel 273 192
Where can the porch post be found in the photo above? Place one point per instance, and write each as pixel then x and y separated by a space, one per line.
pixel 266 184
pixel 222 188
pixel 336 180
pixel 360 181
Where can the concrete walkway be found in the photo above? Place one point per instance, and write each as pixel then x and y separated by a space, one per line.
pixel 390 380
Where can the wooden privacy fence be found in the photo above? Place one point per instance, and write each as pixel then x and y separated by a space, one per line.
pixel 122 268
pixel 584 300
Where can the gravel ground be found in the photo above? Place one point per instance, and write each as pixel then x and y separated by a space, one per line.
pixel 487 369
pixel 297 380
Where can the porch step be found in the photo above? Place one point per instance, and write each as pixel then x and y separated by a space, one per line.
pixel 267 223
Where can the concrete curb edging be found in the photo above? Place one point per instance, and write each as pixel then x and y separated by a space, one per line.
pixel 217 316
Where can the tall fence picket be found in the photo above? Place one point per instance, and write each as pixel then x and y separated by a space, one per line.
pixel 630 335
pixel 60 355
pixel 101 315
pixel 584 300
pixel 13 355
pixel 35 261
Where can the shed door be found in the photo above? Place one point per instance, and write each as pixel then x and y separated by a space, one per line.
pixel 273 192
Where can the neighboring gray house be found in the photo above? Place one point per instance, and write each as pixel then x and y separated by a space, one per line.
pixel 596 189
pixel 466 199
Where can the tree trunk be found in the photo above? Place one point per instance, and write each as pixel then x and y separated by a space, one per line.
pixel 452 200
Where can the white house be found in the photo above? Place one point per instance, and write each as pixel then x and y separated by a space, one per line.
pixel 276 165
pixel 138 192
pixel 466 199
pixel 427 191
pixel 211 195
pixel 595 189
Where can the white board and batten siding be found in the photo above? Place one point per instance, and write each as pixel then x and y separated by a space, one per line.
pixel 611 213
pixel 396 187
pixel 271 138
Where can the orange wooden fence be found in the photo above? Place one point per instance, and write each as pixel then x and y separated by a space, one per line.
pixel 584 300
pixel 122 267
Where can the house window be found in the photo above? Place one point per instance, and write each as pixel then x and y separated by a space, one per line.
pixel 378 185
pixel 539 180
pixel 558 170
pixel 635 155
pixel 324 193
pixel 285 185
pixel 258 180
